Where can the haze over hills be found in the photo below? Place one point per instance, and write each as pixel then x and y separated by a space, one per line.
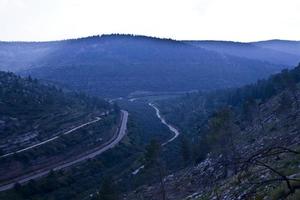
pixel 273 51
pixel 117 65
pixel 287 46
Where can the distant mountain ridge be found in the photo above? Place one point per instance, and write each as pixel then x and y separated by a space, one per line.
pixel 274 51
pixel 287 46
pixel 117 65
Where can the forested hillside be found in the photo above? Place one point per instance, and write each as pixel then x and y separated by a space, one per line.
pixel 247 147
pixel 31 111
pixel 193 108
pixel 117 65
pixel 43 127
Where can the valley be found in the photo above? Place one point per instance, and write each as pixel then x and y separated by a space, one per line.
pixel 149 100
pixel 148 118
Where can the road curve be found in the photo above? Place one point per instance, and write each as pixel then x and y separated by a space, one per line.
pixel 121 132
pixel 171 128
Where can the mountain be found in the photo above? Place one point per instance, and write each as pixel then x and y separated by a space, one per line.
pixel 274 51
pixel 287 46
pixel 117 65
pixel 16 56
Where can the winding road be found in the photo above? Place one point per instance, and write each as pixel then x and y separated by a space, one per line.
pixel 171 128
pixel 120 133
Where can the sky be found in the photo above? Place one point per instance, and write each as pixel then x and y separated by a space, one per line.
pixel 237 20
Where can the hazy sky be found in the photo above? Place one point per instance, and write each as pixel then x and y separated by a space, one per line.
pixel 239 20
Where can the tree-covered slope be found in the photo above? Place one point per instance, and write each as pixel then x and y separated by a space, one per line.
pixel 191 109
pixel 244 156
pixel 31 111
pixel 245 143
pixel 116 65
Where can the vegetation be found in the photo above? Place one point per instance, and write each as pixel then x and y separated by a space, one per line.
pixel 117 164
pixel 107 191
pixel 45 103
pixel 191 112
pixel 117 65
pixel 32 112
pixel 153 160
pixel 235 130
pixel 273 51
pixel 244 141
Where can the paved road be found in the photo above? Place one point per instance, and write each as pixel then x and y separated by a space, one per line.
pixel 91 154
pixel 53 138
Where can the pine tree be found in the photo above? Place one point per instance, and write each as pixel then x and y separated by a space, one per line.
pixel 108 190
pixel 152 160
pixel 185 150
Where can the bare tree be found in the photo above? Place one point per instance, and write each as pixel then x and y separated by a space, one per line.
pixel 261 160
